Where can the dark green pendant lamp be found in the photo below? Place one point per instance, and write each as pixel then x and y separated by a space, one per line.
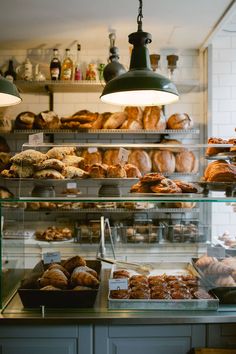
pixel 9 95
pixel 140 86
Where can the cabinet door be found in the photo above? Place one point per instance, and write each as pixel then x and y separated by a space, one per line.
pixel 221 335
pixel 166 339
pixel 38 346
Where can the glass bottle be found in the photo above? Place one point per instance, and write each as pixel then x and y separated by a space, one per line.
pixel 10 73
pixel 55 66
pixel 78 72
pixel 67 67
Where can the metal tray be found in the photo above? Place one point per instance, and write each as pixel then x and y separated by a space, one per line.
pixel 228 187
pixel 33 297
pixel 173 268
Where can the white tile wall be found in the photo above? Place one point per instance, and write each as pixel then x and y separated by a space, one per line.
pixel 224 116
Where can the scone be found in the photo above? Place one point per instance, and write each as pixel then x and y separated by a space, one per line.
pixel 28 157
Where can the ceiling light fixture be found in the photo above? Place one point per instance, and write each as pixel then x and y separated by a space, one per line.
pixel 140 86
pixel 9 95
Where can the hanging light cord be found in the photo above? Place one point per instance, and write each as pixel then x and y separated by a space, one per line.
pixel 140 15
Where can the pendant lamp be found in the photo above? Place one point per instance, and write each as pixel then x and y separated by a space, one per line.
pixel 9 95
pixel 140 86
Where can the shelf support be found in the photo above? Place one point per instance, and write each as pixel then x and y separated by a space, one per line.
pixel 51 98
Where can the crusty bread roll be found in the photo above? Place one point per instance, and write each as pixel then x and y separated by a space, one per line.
pixel 47 120
pixel 25 120
pixel 132 171
pixel 153 118
pixel 163 161
pixel 132 124
pixel 115 120
pixel 179 121
pixel 186 162
pixel 90 158
pixel 141 159
pixel 111 157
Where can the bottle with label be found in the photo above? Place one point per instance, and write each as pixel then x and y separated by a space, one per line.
pixel 10 73
pixel 67 67
pixel 55 66
pixel 78 72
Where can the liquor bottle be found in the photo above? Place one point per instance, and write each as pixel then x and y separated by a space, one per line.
pixel 10 73
pixel 67 67
pixel 55 66
pixel 78 72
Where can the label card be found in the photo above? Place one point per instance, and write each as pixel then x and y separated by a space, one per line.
pixel 118 284
pixel 71 185
pixel 51 257
pixel 216 251
pixel 92 149
pixel 123 155
pixel 35 139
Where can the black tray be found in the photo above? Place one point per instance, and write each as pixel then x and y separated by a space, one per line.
pixel 32 297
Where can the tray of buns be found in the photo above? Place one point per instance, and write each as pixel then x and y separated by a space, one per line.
pixel 219 276
pixel 168 286
pixel 73 282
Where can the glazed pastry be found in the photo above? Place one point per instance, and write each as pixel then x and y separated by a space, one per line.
pixel 54 277
pixel 121 273
pixel 116 171
pixel 51 164
pixel 179 121
pixel 132 171
pixel 119 294
pixel 79 277
pixel 153 118
pixel 163 161
pixel 139 294
pixel 220 171
pixel 141 159
pixel 73 262
pixel 186 187
pixel 166 186
pixel 210 151
pixel 152 178
pixel 141 188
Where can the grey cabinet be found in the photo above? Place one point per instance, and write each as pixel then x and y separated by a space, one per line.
pixel 221 335
pixel 149 339
pixel 45 339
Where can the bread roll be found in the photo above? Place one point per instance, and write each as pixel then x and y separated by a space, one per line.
pixel 115 120
pixel 163 161
pixel 153 118
pixel 116 171
pixel 141 159
pixel 25 120
pixel 132 171
pixel 91 158
pixel 47 120
pixel 179 121
pixel 186 162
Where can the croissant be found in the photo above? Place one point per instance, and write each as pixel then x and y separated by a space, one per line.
pixel 230 262
pixel 217 268
pixel 83 278
pixel 72 262
pixel 88 270
pixel 58 266
pixel 225 281
pixel 54 277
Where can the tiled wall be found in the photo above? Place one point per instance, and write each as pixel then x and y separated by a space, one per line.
pixel 223 122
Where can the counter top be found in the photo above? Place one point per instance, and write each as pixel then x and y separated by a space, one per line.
pixel 101 314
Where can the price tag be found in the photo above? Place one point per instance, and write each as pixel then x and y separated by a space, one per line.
pixel 71 185
pixel 216 251
pixel 118 284
pixel 51 257
pixel 35 139
pixel 92 149
pixel 123 155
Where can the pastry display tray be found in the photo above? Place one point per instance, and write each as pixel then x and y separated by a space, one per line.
pixel 174 195
pixel 171 268
pixel 228 187
pixel 34 298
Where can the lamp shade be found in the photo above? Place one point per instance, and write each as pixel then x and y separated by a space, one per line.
pixel 9 94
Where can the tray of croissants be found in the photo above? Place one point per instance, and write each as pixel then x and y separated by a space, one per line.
pixel 218 275
pixel 168 286
pixel 73 282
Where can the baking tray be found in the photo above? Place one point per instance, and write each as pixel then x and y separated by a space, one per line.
pixel 33 297
pixel 171 268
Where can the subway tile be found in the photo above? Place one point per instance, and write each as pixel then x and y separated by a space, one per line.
pixel 222 92
pixel 222 67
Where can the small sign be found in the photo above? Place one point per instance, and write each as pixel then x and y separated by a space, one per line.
pixel 51 257
pixel 216 251
pixel 92 150
pixel 118 284
pixel 36 139
pixel 123 155
pixel 71 185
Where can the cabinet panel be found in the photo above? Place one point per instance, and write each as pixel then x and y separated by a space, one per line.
pixel 221 335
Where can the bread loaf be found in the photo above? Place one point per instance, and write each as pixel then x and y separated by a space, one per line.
pixel 111 157
pixel 90 158
pixel 163 161
pixel 153 118
pixel 25 120
pixel 141 159
pixel 116 171
pixel 186 162
pixel 47 120
pixel 179 121
pixel 115 120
